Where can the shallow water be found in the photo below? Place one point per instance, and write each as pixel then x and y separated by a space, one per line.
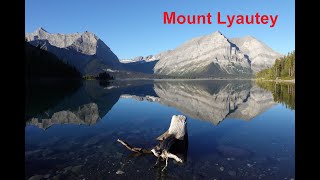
pixel 236 130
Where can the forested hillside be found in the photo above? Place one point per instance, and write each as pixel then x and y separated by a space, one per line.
pixel 284 68
pixel 43 64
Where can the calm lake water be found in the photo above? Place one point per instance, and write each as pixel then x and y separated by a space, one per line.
pixel 236 129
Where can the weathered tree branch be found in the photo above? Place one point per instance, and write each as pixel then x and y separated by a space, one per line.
pixel 175 135
pixel 134 149
pixel 175 157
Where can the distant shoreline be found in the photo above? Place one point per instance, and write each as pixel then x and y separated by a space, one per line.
pixel 171 79
pixel 202 79
pixel 279 80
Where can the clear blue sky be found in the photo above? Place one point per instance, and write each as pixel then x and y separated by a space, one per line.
pixel 135 27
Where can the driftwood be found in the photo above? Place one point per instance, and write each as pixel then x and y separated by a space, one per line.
pixel 172 144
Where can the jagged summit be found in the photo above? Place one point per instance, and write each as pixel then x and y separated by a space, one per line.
pixel 86 51
pixel 217 33
pixel 41 29
pixel 90 34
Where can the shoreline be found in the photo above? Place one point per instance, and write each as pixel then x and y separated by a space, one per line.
pixel 201 79
pixel 279 80
pixel 198 79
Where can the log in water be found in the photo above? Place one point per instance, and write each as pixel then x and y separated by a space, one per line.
pixel 172 144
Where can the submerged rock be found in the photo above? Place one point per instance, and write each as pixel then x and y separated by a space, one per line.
pixel 67 168
pixel 76 169
pixel 57 177
pixel 249 165
pixel 221 168
pixel 36 177
pixel 119 172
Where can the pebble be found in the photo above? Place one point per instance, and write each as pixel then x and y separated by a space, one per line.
pixel 221 168
pixel 119 172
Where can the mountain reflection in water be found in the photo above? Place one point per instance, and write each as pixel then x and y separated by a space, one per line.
pixel 204 100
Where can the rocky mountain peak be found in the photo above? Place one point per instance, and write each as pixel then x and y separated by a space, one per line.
pixel 40 32
pixel 90 35
pixel 209 55
pixel 85 51
pixel 41 29
pixel 218 33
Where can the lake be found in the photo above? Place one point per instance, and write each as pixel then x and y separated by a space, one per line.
pixel 236 129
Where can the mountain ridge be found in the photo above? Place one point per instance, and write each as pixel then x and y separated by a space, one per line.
pixel 211 55
pixel 78 49
pixel 258 55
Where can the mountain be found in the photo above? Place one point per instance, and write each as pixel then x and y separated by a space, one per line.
pixel 142 67
pixel 206 56
pixel 85 51
pixel 212 55
pixel 215 55
pixel 140 59
pixel 140 64
pixel 260 55
pixel 143 64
